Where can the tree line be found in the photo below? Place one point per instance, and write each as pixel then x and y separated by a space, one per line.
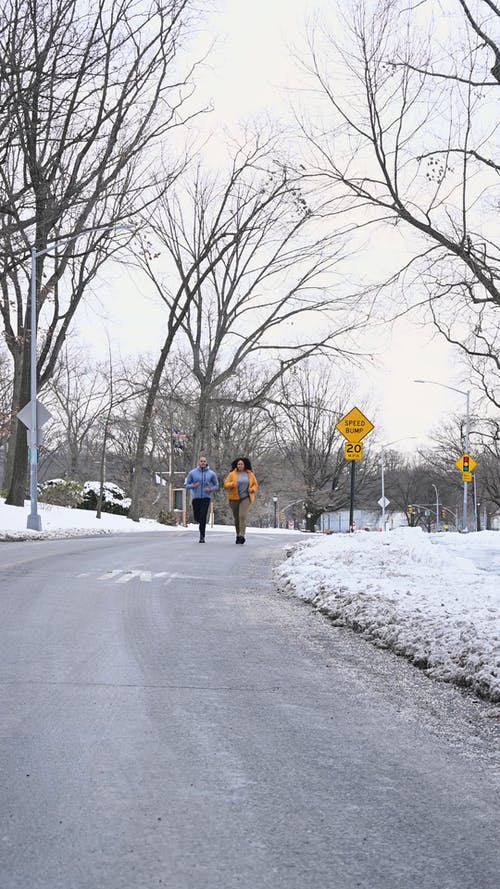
pixel 295 446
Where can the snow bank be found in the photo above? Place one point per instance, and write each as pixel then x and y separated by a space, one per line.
pixel 401 592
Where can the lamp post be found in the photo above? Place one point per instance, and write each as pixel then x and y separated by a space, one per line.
pixel 382 470
pixel 465 392
pixel 275 502
pixel 437 506
pixel 34 521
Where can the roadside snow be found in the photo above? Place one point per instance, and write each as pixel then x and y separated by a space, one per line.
pixel 59 522
pixel 401 592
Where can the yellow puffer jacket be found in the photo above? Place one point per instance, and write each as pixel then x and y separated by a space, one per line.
pixel 231 484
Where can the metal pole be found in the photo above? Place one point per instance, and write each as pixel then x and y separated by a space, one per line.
pixel 467 420
pixel 437 507
pixel 34 521
pixel 170 474
pixel 383 489
pixel 476 507
pixel 351 507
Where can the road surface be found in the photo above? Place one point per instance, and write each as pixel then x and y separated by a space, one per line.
pixel 169 720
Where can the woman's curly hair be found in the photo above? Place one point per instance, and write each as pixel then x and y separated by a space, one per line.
pixel 246 461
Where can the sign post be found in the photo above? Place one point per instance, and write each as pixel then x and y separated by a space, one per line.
pixel 34 415
pixel 354 426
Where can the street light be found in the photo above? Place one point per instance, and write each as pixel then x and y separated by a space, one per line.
pixel 467 425
pixel 382 468
pixel 437 506
pixel 34 521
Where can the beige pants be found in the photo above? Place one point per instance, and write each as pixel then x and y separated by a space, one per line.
pixel 240 508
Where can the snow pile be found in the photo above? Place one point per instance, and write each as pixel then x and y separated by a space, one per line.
pixel 60 522
pixel 401 592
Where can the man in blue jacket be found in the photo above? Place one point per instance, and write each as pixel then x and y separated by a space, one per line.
pixel 202 481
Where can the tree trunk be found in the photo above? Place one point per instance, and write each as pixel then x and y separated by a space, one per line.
pixel 16 480
pixel 201 432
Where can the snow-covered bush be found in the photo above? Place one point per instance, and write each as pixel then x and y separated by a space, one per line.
pixel 61 492
pixel 113 498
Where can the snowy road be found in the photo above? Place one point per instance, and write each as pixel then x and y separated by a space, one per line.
pixel 169 720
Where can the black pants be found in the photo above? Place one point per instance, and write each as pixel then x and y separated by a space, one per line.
pixel 200 512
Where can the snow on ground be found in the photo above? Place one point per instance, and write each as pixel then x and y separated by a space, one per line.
pixel 420 595
pixel 402 591
pixel 57 522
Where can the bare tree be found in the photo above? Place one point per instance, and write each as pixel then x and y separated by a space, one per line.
pixel 405 142
pixel 249 278
pixel 89 94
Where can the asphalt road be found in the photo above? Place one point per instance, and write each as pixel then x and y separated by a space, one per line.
pixel 167 719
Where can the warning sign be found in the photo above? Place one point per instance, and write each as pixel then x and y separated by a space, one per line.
pixel 354 426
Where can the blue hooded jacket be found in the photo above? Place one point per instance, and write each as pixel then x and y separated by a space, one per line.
pixel 206 478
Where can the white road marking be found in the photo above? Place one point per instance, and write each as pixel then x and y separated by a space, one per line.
pixel 145 576
pixel 119 575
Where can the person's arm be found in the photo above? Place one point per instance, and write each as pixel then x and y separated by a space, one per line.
pixel 253 485
pixel 189 483
pixel 230 481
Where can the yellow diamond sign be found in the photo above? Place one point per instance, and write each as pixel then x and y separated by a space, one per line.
pixel 466 463
pixel 354 426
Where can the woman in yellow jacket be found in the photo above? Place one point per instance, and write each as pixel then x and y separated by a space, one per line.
pixel 241 486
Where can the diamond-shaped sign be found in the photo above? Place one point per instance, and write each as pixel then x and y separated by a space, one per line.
pixel 466 463
pixel 354 426
pixel 42 414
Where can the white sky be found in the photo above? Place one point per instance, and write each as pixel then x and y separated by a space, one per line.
pixel 425 594
pixel 246 75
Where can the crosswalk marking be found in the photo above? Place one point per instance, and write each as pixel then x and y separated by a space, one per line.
pixel 120 575
pixel 145 576
pixel 110 574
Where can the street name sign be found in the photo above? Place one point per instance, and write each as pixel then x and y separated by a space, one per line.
pixel 354 426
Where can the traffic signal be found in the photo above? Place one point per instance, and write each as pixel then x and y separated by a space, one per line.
pixel 465 463
pixel 443 513
pixel 411 508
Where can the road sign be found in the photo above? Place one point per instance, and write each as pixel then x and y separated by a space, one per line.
pixel 466 463
pixel 353 451
pixel 42 416
pixel 354 426
pixel 383 502
pixel 466 476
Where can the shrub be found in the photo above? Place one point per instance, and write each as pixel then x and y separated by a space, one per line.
pixel 61 492
pixel 113 498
